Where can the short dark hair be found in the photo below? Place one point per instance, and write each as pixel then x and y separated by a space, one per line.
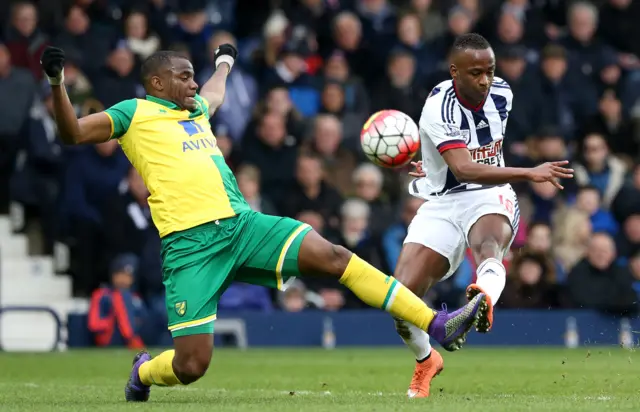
pixel 156 62
pixel 471 41
pixel 589 188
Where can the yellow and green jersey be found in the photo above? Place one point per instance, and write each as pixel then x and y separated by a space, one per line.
pixel 176 154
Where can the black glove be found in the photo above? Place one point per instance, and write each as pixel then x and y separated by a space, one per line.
pixel 52 62
pixel 226 53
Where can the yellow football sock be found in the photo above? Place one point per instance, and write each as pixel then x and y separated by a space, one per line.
pixel 381 291
pixel 159 370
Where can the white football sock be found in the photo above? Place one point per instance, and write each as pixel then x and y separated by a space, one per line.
pixel 491 277
pixel 416 339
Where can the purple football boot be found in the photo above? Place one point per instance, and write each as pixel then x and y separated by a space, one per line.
pixel 136 391
pixel 450 329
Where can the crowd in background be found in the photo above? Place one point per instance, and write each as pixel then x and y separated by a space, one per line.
pixel 308 74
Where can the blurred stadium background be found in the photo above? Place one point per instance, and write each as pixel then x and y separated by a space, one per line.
pixel 79 254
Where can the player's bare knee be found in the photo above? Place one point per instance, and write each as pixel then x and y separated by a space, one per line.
pixel 338 260
pixel 409 278
pixel 191 367
pixel 487 247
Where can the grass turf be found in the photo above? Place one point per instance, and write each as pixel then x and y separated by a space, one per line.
pixel 510 379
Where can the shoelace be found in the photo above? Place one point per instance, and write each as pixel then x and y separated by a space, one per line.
pixel 418 377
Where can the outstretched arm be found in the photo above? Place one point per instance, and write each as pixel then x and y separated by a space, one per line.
pixel 467 171
pixel 95 128
pixel 448 139
pixel 213 90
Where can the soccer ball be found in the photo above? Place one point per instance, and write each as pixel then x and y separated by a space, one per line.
pixel 390 139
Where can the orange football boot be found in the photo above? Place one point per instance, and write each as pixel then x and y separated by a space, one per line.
pixel 485 317
pixel 424 374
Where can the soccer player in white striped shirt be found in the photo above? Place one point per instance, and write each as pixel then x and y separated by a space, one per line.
pixel 469 199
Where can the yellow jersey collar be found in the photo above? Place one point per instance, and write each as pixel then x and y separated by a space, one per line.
pixel 165 103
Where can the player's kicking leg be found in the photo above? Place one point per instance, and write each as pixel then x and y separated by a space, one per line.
pixel 489 239
pixel 317 256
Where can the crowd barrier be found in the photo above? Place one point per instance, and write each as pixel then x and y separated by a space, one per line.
pixel 375 328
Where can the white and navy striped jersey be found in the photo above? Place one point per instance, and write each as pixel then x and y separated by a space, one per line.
pixel 446 124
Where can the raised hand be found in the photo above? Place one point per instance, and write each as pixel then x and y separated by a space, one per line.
pixel 225 53
pixel 551 172
pixel 52 62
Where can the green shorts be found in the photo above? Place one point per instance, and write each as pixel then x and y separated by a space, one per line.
pixel 200 263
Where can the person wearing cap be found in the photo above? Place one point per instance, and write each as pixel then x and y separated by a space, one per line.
pixel 114 308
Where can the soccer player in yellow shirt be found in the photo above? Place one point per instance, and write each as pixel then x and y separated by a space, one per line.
pixel 210 236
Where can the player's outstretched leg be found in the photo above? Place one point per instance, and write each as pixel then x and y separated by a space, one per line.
pixel 489 239
pixel 182 366
pixel 317 256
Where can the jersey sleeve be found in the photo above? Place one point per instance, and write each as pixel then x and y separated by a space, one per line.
pixel 441 128
pixel 204 104
pixel 121 115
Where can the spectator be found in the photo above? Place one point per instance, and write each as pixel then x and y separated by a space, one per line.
pixel 18 84
pixel 531 284
pixel 139 39
pixel 368 181
pixel 118 81
pixel 248 178
pixel 540 243
pixel 311 192
pixel 600 169
pixel 614 124
pixel 568 101
pixel 356 96
pixel 590 201
pixel 430 19
pixel 92 176
pixel 193 28
pixel 290 70
pixel 403 91
pixel 24 39
pixel 629 239
pixel 459 21
pixel 571 237
pixel 348 37
pixel 589 55
pixel 265 56
pixel 296 298
pixel 116 313
pixel 128 226
pixel 354 215
pixel 278 99
pixel 596 282
pixel 409 34
pixel 333 102
pixel 39 167
pixel 327 142
pixel 378 20
pixel 273 151
pixel 627 201
pixel 80 35
pixel 393 237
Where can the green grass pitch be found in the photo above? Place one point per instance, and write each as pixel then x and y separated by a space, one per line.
pixel 310 380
